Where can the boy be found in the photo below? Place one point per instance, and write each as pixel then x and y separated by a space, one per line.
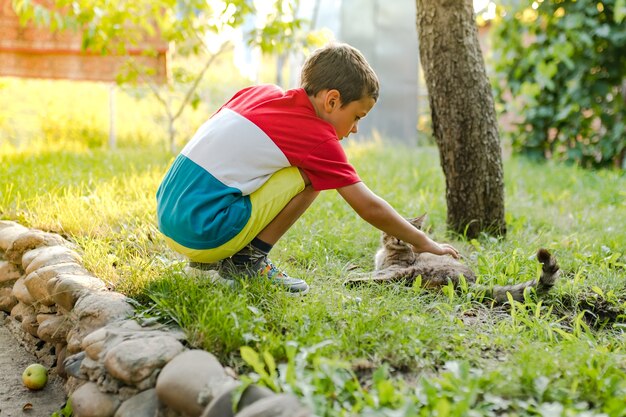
pixel 259 162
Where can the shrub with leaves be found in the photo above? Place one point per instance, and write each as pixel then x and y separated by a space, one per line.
pixel 564 63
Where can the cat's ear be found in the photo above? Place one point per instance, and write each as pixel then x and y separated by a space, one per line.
pixel 418 221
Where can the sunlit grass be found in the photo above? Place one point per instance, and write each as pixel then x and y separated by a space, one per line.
pixel 376 347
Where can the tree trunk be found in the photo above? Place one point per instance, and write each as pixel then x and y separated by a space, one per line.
pixel 463 116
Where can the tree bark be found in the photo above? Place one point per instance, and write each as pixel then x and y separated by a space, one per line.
pixel 463 116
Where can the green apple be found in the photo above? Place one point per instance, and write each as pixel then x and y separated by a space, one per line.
pixel 35 376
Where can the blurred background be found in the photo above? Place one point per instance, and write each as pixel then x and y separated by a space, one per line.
pixel 65 76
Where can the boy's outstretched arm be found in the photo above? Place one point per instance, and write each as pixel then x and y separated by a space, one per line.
pixel 381 215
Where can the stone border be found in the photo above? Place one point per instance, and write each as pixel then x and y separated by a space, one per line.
pixel 112 365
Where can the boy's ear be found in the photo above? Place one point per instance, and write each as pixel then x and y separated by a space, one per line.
pixel 332 100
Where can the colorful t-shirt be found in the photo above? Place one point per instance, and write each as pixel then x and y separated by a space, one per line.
pixel 203 201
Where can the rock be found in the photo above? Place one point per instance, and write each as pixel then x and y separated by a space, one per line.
pixel 72 365
pixel 66 289
pixel 36 282
pixel 49 255
pixel 279 405
pixel 88 401
pixel 9 273
pixel 29 324
pixel 96 343
pixel 97 309
pixel 144 404
pixel 54 329
pixel 94 348
pixel 185 377
pixel 21 292
pixel 29 240
pixel 42 309
pixel 222 405
pixel 135 360
pixel 7 300
pixel 72 384
pixel 9 231
pixel 22 310
pixel 93 311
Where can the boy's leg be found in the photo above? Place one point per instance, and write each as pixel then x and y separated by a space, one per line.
pixel 288 216
pixel 266 204
pixel 252 259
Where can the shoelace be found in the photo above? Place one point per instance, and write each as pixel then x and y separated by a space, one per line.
pixel 271 271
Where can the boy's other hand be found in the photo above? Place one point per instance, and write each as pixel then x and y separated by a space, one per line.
pixel 449 250
pixel 440 249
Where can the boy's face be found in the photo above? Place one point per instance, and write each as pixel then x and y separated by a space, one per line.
pixel 345 119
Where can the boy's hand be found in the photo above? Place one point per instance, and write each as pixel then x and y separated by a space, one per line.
pixel 440 249
pixel 448 250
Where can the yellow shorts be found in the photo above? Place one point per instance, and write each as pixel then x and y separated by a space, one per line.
pixel 267 202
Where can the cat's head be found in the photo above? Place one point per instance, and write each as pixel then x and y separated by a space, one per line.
pixel 393 243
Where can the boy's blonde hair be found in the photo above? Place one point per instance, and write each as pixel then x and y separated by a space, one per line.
pixel 340 67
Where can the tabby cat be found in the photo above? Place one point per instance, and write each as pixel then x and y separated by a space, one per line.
pixel 395 261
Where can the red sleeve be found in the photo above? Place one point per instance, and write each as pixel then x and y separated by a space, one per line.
pixel 328 168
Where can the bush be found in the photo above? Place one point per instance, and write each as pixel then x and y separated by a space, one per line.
pixel 564 63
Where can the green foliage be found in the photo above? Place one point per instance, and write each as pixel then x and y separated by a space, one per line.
pixel 564 63
pixel 66 411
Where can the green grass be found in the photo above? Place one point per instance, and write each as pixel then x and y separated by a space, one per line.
pixel 373 350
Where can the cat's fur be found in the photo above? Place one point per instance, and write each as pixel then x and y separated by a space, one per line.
pixel 395 261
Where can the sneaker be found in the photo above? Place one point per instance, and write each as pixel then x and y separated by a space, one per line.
pixel 264 268
pixel 204 266
pixel 205 271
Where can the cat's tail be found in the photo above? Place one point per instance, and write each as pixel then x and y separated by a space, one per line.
pixel 549 274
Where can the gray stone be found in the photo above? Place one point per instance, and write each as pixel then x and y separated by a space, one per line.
pixel 95 372
pixel 222 405
pixel 135 360
pixel 97 342
pixel 89 401
pixel 21 292
pixel 72 365
pixel 97 309
pixel 279 405
pixel 49 255
pixel 93 311
pixel 185 377
pixel 144 404
pixel 94 348
pixel 54 328
pixel 9 231
pixel 9 273
pixel 29 240
pixel 66 289
pixel 36 282
pixel 7 299
pixel 28 256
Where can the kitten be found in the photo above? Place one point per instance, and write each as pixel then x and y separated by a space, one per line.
pixel 395 261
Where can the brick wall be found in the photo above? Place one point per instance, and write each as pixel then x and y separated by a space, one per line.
pixel 34 52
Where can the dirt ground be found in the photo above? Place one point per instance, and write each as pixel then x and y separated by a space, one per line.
pixel 15 399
